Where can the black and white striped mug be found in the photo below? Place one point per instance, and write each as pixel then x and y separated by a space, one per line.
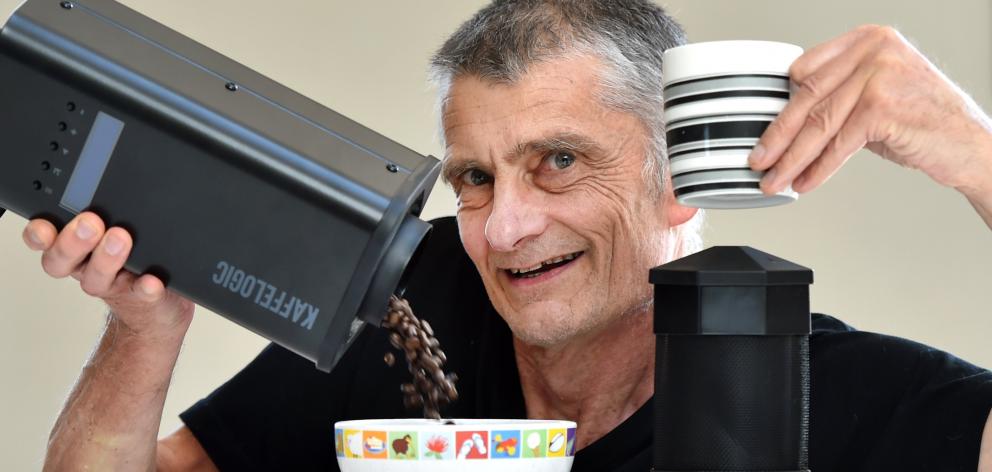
pixel 719 97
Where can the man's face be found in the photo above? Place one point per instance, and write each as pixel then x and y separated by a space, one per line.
pixel 553 207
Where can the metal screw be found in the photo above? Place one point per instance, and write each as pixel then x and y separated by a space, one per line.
pixel 392 167
pixel 231 86
pixel 66 5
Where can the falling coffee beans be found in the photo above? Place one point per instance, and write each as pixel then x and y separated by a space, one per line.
pixel 431 386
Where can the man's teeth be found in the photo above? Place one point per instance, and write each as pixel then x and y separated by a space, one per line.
pixel 548 262
pixel 529 269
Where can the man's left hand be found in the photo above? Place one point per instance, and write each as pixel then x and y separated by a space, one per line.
pixel 871 88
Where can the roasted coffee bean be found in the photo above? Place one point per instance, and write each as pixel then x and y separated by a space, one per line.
pixel 389 358
pixel 412 401
pixel 431 386
pixel 427 327
pixel 430 364
pixel 439 377
pixel 449 389
pixel 395 340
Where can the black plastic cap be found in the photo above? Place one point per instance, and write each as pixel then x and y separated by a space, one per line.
pixel 731 266
pixel 729 290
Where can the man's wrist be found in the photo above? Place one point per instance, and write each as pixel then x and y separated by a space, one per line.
pixel 164 335
pixel 977 179
pixel 157 349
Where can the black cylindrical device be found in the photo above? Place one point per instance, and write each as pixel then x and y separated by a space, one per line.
pixel 732 329
pixel 244 196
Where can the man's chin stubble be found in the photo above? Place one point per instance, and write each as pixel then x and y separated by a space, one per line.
pixel 557 335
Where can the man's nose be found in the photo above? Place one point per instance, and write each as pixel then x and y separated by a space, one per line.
pixel 517 216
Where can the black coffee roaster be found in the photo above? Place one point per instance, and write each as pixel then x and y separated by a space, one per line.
pixel 248 198
pixel 732 378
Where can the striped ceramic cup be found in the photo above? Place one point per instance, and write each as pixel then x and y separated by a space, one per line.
pixel 719 97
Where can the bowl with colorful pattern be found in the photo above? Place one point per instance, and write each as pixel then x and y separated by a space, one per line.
pixel 472 445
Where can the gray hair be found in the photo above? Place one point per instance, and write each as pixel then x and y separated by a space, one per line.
pixel 629 36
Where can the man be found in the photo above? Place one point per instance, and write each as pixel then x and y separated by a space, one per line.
pixel 554 145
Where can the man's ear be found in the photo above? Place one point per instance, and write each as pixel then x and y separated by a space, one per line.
pixel 678 214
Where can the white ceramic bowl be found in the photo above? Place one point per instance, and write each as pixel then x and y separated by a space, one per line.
pixel 408 445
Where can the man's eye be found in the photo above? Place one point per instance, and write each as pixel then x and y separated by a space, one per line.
pixel 562 160
pixel 475 177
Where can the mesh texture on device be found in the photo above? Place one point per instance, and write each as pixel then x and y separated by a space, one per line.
pixel 731 403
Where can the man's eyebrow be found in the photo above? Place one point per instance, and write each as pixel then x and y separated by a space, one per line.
pixel 561 141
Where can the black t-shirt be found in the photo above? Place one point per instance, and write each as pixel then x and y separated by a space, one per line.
pixel 878 402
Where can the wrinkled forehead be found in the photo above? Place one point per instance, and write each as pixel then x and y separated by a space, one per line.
pixel 560 95
pixel 563 82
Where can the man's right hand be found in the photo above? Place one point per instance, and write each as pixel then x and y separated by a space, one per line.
pixel 95 257
pixel 111 418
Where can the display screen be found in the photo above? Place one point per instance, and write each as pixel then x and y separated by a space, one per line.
pixel 93 159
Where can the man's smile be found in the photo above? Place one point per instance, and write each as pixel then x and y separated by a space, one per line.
pixel 541 271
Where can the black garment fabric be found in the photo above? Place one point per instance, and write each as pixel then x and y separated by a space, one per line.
pixel 878 402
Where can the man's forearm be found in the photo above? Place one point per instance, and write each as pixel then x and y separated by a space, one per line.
pixel 111 419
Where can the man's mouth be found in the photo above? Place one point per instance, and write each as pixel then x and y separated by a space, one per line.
pixel 531 272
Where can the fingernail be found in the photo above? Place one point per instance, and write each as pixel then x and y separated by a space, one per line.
pixel 34 238
pixel 768 179
pixel 757 154
pixel 145 289
pixel 113 246
pixel 84 231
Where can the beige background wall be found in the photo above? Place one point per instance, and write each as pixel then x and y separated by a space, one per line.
pixel 891 250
